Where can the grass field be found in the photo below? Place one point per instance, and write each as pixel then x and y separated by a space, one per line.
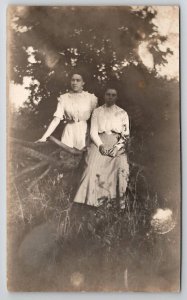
pixel 54 245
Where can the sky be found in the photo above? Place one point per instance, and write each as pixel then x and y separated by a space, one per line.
pixel 167 22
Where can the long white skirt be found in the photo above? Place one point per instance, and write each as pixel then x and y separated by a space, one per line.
pixel 104 177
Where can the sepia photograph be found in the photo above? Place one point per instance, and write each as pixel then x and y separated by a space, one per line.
pixel 93 149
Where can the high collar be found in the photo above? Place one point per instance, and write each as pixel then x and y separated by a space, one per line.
pixel 79 93
pixel 110 108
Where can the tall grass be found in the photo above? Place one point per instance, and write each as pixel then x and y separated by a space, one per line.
pixel 84 242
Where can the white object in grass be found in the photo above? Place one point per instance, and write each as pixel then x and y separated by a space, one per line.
pixel 162 221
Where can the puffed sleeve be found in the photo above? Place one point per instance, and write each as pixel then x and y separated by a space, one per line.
pixel 94 129
pixel 94 101
pixel 125 131
pixel 59 113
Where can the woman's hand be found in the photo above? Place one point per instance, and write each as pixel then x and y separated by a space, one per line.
pixel 52 126
pixel 42 140
pixel 102 150
pixel 113 152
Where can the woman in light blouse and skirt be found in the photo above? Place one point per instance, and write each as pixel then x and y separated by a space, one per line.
pixel 106 170
pixel 75 108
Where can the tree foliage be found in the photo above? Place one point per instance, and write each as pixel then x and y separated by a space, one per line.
pixel 101 42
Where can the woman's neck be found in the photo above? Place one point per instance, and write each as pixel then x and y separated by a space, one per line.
pixel 109 106
pixel 76 92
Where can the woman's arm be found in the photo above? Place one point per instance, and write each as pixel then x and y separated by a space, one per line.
pixel 94 130
pixel 124 136
pixel 52 126
pixel 125 132
pixel 94 134
pixel 58 116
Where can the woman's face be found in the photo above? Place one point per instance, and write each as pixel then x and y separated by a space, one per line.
pixel 110 97
pixel 77 83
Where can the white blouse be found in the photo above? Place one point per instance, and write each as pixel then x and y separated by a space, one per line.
pixel 108 119
pixel 76 109
pixel 76 106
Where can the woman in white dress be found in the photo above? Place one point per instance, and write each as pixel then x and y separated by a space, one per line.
pixel 106 169
pixel 75 108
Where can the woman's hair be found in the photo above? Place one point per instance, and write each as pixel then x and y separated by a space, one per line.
pixel 110 87
pixel 80 72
